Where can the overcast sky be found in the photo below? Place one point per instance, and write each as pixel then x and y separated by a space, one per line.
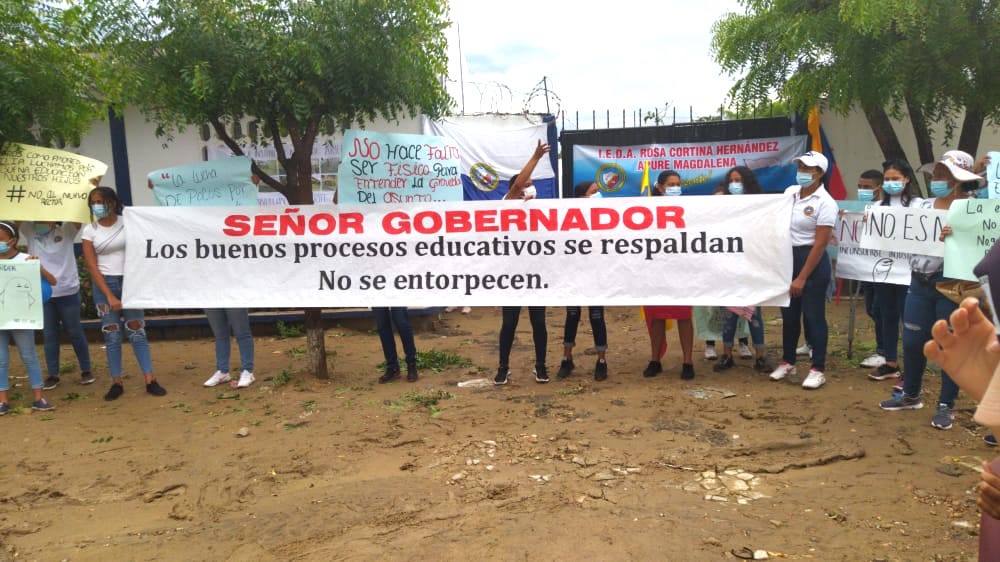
pixel 626 54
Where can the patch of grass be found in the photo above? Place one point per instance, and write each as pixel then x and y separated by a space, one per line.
pixel 15 397
pixel 572 391
pixel 282 378
pixel 46 418
pixel 299 425
pixel 429 400
pixel 309 405
pixel 182 407
pixel 66 368
pixel 103 439
pixel 437 361
pixel 255 423
pixel 286 331
pixel 295 352
pixel 74 396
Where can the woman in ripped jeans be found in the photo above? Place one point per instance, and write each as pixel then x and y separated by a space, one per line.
pixel 104 253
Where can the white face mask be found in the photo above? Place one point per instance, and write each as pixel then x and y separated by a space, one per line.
pixel 676 190
pixel 597 195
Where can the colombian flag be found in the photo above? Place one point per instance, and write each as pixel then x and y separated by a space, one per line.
pixel 818 143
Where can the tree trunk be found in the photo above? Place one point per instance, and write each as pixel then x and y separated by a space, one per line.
pixel 972 131
pixel 922 133
pixel 884 133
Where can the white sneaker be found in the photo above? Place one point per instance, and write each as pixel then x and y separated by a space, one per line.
pixel 815 379
pixel 449 309
pixel 873 362
pixel 745 352
pixel 218 378
pixel 710 353
pixel 466 309
pixel 806 349
pixel 782 371
pixel 246 379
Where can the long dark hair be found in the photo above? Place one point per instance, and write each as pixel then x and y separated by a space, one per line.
pixel 580 189
pixel 751 186
pixel 106 194
pixel 910 190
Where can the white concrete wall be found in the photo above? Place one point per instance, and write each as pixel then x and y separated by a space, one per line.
pixel 856 150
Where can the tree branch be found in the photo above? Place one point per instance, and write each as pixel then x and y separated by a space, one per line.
pixel 220 131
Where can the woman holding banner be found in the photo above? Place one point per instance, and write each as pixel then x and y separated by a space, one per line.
pixel 104 253
pixel 585 189
pixel 814 215
pixel 899 189
pixel 520 187
pixel 952 179
pixel 23 339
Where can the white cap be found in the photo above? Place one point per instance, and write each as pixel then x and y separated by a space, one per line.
pixel 813 159
pixel 959 163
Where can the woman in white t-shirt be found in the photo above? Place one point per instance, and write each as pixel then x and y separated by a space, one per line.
pixel 814 215
pixel 13 295
pixel 53 243
pixel 104 253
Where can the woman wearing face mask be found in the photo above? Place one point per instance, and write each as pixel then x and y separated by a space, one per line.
pixel 597 325
pixel 814 215
pixel 952 178
pixel 899 189
pixel 53 242
pixel 104 253
pixel 738 181
pixel 23 339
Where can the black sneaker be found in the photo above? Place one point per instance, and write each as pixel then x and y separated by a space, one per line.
pixel 411 372
pixel 687 371
pixel 114 392
pixel 391 374
pixel 155 389
pixel 503 376
pixel 654 368
pixel 601 370
pixel 86 377
pixel 990 439
pixel 884 372
pixel 42 405
pixel 50 383
pixel 761 365
pixel 541 374
pixel 565 368
pixel 725 362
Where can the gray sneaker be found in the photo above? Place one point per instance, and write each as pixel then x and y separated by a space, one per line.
pixel 943 418
pixel 4 408
pixel 903 402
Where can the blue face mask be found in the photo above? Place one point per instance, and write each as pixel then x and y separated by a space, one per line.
pixel 940 188
pixel 673 191
pixel 866 194
pixel 4 248
pixel 805 179
pixel 892 187
pixel 99 210
pixel 596 195
pixel 42 229
pixel 736 188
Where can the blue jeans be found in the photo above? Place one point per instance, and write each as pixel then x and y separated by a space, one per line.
pixel 597 325
pixel 64 310
pixel 924 306
pixel 25 342
pixel 756 324
pixel 112 324
pixel 891 300
pixel 384 320
pixel 875 313
pixel 222 320
pixel 808 310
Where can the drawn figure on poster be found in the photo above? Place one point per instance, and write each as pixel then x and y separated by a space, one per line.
pixel 880 273
pixel 16 297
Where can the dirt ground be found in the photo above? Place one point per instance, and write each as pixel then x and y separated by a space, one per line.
pixel 625 469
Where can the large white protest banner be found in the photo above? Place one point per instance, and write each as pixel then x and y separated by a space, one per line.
pixel 717 251
pixel 863 264
pixel 904 229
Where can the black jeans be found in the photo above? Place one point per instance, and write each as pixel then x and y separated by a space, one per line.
pixel 597 324
pixel 511 314
pixel 809 309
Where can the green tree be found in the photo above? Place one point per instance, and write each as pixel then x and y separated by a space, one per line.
pixel 48 83
pixel 920 58
pixel 300 68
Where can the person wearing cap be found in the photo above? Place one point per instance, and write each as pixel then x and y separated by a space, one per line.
pixel 520 187
pixel 814 214
pixel 899 189
pixel 952 178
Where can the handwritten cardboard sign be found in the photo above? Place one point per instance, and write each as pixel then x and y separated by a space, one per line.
pixel 45 184
pixel 862 264
pixel 904 229
pixel 993 175
pixel 20 295
pixel 975 225
pixel 215 183
pixel 396 169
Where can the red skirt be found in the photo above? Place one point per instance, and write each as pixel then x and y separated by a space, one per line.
pixel 668 312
